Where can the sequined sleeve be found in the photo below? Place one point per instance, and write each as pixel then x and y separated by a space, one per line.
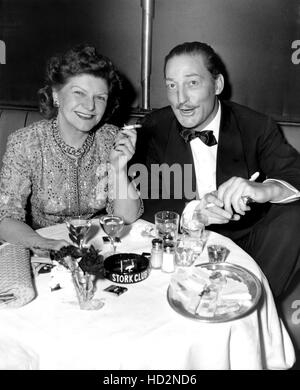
pixel 111 199
pixel 109 134
pixel 111 194
pixel 109 138
pixel 141 209
pixel 15 183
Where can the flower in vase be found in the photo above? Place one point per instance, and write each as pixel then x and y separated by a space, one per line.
pixel 84 264
pixel 88 259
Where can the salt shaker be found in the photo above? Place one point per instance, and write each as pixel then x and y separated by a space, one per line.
pixel 156 253
pixel 168 263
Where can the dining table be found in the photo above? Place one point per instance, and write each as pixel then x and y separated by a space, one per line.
pixel 140 330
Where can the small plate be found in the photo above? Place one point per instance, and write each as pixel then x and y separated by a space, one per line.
pixel 228 271
pixel 126 268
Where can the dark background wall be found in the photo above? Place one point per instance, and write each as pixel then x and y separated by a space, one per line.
pixel 254 38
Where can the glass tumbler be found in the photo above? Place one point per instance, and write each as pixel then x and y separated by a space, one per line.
pixel 217 253
pixel 167 223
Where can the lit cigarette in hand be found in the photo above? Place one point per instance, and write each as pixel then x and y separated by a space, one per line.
pixel 131 127
pixel 247 199
pixel 254 176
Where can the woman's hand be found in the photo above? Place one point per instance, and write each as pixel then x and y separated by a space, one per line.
pixel 44 245
pixel 18 232
pixel 123 149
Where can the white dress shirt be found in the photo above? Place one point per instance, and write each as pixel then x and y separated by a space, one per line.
pixel 205 162
pixel 205 158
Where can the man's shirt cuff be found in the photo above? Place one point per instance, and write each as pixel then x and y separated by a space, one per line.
pixel 290 198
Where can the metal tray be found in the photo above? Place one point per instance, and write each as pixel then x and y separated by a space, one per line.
pixel 229 271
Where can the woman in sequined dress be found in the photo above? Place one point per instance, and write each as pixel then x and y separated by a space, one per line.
pixel 73 162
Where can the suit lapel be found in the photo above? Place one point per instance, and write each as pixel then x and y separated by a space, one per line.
pixel 230 155
pixel 231 159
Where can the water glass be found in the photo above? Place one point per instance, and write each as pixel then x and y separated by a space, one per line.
pixel 189 249
pixel 217 253
pixel 167 223
pixel 184 252
pixel 193 226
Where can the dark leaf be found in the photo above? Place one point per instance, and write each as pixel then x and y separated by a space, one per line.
pixel 92 261
pixel 65 251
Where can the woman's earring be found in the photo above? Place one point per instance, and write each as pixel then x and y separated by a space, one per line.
pixel 56 103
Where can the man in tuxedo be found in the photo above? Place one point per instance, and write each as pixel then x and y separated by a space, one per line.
pixel 213 148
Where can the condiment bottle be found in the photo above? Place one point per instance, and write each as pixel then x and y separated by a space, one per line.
pixel 168 263
pixel 156 253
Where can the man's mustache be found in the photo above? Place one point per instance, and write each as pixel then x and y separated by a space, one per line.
pixel 184 107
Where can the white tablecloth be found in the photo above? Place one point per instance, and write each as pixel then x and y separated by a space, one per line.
pixel 139 329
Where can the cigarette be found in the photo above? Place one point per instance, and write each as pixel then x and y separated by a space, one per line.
pixel 254 176
pixel 247 199
pixel 130 127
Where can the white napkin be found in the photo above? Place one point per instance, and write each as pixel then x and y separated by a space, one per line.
pixel 190 209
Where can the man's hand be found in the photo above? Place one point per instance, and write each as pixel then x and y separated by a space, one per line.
pixel 213 208
pixel 232 191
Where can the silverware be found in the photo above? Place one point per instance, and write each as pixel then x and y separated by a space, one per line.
pixel 206 290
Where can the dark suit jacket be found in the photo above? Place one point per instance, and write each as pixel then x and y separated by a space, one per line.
pixel 248 142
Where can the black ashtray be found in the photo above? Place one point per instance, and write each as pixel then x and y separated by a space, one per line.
pixel 126 268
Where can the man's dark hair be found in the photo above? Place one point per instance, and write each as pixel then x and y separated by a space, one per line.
pixel 213 62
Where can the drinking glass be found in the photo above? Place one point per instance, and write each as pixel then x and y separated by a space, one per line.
pixel 184 252
pixel 166 223
pixel 193 226
pixel 194 236
pixel 112 225
pixel 217 253
pixel 78 227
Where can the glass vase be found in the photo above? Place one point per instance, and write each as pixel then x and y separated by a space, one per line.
pixel 85 290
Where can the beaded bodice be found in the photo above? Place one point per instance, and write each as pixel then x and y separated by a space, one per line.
pixel 70 150
pixel 56 180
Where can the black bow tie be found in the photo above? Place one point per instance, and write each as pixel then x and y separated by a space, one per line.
pixel 206 136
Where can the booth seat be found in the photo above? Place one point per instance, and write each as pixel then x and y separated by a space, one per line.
pixel 16 118
pixel 12 119
pixel 291 131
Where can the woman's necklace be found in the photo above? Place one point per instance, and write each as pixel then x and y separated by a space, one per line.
pixel 70 150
